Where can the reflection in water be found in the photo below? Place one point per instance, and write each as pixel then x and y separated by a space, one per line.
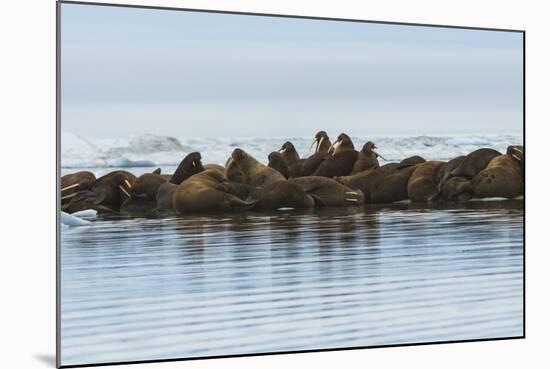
pixel 136 289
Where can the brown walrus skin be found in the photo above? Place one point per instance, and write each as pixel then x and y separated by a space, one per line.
pixel 474 163
pixel 200 194
pixel 252 172
pixel 384 184
pixel 367 159
pixel 190 165
pixel 322 145
pixel 329 192
pixel 423 184
pixel 75 182
pixel 113 189
pixel 501 178
pixel 341 159
pixel 278 162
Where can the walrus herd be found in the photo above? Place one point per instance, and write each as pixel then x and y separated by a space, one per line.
pixel 336 174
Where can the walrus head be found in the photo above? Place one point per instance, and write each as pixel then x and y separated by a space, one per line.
pixel 516 152
pixel 233 171
pixel 369 148
pixel 190 165
pixel 146 186
pixel 321 142
pixel 243 159
pixel 289 152
pixel 278 162
pixel 114 191
pixel 342 143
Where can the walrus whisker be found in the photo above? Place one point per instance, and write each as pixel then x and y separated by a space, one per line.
pixel 69 196
pixel 69 187
pixel 354 200
pixel 123 190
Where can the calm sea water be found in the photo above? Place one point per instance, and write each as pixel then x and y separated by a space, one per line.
pixel 139 289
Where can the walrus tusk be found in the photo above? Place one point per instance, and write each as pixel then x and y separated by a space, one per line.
pixel 351 193
pixel 69 187
pixel 282 151
pixel 69 196
pixel 518 150
pixel 125 192
pixel 128 183
pixel 313 143
pixel 380 156
pixel 334 146
pixel 516 157
pixel 354 200
pixel 319 144
pixel 229 162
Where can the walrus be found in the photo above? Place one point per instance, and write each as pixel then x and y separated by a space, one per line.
pixel 200 194
pixel 113 189
pixel 474 162
pixel 252 172
pixel 423 183
pixel 329 192
pixel 392 187
pixel 289 152
pixel 501 178
pixel 367 158
pixel 268 188
pixel 363 180
pixel 84 200
pixel 341 159
pixel 456 189
pixel 322 142
pixel 516 152
pixel 444 171
pixel 292 159
pixel 190 165
pixel 143 200
pixel 281 194
pixel 278 162
pixel 322 145
pixel 75 182
pixel 412 160
pixel 146 186
pixel 385 184
pixel 165 197
pixel 219 168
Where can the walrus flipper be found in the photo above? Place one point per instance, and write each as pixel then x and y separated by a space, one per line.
pixel 237 203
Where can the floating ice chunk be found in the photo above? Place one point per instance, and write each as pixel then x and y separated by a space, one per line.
pixel 72 221
pixel 88 213
pixel 123 162
pixel 489 199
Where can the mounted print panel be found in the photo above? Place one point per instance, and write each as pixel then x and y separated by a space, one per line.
pixel 239 184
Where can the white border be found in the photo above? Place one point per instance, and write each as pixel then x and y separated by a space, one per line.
pixel 27 72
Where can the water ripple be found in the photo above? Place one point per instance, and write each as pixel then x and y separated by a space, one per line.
pixel 138 289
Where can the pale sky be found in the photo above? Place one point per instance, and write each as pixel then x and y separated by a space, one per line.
pixel 126 71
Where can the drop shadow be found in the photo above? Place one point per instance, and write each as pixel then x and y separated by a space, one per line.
pixel 47 359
